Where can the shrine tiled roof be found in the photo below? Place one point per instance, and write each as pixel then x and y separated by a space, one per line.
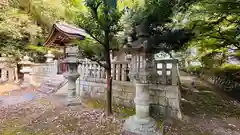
pixel 70 29
pixel 62 33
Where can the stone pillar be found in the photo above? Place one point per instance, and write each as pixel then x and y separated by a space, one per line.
pixel 124 72
pixel 141 123
pixel 16 74
pixel 26 70
pixel 4 75
pixel 11 74
pixel 71 75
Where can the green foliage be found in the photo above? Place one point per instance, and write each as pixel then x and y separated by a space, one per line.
pixel 43 49
pixel 155 16
pixel 195 69
pixel 228 68
pixel 45 12
pixel 17 29
pixel 215 25
pixel 17 25
pixel 102 29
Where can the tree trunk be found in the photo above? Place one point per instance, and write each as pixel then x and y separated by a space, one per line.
pixel 109 78
pixel 109 93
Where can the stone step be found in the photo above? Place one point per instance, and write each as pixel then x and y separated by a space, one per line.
pixel 51 84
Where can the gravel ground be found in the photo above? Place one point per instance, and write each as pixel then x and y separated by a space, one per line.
pixel 47 115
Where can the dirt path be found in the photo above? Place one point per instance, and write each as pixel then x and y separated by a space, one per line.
pixel 206 110
pixel 47 115
pixel 7 87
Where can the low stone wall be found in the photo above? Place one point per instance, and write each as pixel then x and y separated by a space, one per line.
pixel 42 71
pixel 162 96
pixel 37 79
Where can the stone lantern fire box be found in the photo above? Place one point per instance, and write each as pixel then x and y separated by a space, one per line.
pixel 142 73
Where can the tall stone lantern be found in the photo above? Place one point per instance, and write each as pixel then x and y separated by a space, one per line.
pixel 72 74
pixel 26 70
pixel 142 73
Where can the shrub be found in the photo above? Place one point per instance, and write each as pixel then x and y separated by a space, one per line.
pixel 194 69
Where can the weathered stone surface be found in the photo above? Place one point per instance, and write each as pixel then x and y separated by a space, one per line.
pixel 141 126
pixel 51 84
pixel 124 93
pixel 156 111
pixel 152 92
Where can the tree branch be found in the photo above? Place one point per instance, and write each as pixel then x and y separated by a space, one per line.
pixel 95 13
pixel 236 22
pixel 91 35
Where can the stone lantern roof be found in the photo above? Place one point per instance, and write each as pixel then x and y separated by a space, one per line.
pixel 142 43
pixel 25 61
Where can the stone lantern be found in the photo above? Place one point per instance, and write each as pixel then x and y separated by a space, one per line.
pixel 49 57
pixel 26 70
pixel 142 73
pixel 72 74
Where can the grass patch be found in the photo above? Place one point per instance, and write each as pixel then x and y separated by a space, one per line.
pixel 211 104
pixel 123 111
pixel 16 127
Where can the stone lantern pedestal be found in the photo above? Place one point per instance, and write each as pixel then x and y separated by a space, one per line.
pixel 71 75
pixel 26 70
pixel 141 123
pixel 143 73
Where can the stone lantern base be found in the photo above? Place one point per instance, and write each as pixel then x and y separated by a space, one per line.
pixel 146 126
pixel 26 76
pixel 71 97
pixel 141 123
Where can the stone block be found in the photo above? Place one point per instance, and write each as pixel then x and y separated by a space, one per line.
pixel 131 102
pixel 129 89
pixel 101 90
pixel 130 96
pixel 158 92
pixel 115 93
pixel 126 102
pixel 162 100
pixel 151 97
pixel 117 100
pixel 117 88
pixel 170 94
pixel 155 99
pixel 173 102
pixel 156 111
pixel 152 92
